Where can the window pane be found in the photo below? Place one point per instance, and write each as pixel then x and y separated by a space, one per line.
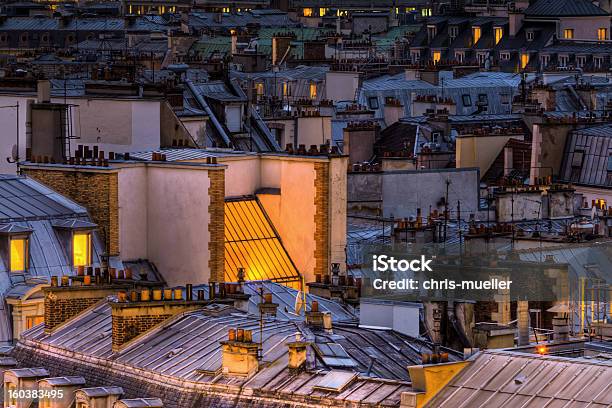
pixel 81 244
pixel 18 255
pixel 32 321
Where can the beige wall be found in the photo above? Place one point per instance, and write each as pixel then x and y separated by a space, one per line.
pixel 341 86
pixel 479 151
pixel 584 28
pixel 133 213
pixel 338 207
pixel 8 124
pixel 314 130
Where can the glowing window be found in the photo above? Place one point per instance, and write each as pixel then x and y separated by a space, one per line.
pixel 476 34
pixel 322 12
pixel 81 249
pixel 568 33
pixel 602 34
pixel 437 55
pixel 32 321
pixel 313 90
pixel 19 254
pixel 499 33
pixel 426 12
pixel 524 60
pixel 285 89
pixel 259 88
pixel 307 12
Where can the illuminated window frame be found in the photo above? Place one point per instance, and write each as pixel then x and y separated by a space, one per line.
pixel 499 34
pixel 23 242
pixel 437 56
pixel 307 12
pixel 86 259
pixel 476 33
pixel 568 34
pixel 312 90
pixel 602 34
pixel 524 60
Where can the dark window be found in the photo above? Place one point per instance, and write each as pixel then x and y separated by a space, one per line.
pixel 610 163
pixel 483 99
pixel 467 100
pixel 505 98
pixel 577 158
pixel 373 102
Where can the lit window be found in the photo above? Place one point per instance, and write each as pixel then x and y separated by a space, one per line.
pixel 426 12
pixel 476 34
pixel 499 33
pixel 313 90
pixel 568 33
pixel 19 254
pixel 285 89
pixel 437 55
pixel 322 12
pixel 524 60
pixel 259 89
pixel 81 249
pixel 32 321
pixel 602 34
pixel 307 12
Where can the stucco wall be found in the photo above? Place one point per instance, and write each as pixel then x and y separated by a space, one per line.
pixel 405 191
pixel 480 151
pixel 178 219
pixel 341 86
pixel 585 28
pixel 133 213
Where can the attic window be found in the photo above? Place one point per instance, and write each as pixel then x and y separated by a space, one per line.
pixel 568 33
pixel 476 32
pixel 530 35
pixel 437 56
pixel 373 102
pixel 467 100
pixel 602 34
pixel 577 158
pixel 81 248
pixel 18 255
pixel 307 12
pixel 453 32
pixel 524 60
pixel 432 30
pixel 505 56
pixel 499 33
pixel 609 168
pixel 313 90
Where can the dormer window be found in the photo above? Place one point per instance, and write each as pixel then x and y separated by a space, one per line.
pixel 77 237
pixel 313 90
pixel 530 35
pixel 505 56
pixel 453 32
pixel 18 254
pixel 476 32
pixel 14 247
pixel 568 34
pixel 81 248
pixel 602 34
pixel 499 33
pixel 432 30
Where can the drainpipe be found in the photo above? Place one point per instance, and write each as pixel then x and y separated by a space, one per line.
pixel 209 112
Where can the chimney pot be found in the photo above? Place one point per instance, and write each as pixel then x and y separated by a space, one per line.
pixel 232 335
pixel 201 294
pixel 178 294
pixel 314 306
pixel 189 292
pixel 65 280
pixel 122 296
pixel 145 295
pixel 167 294
pixel 157 294
pixel 86 280
pixel 133 296
pixel 240 335
pixel 248 336
pixel 54 281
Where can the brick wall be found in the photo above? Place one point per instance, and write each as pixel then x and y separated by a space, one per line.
pixel 216 226
pixel 125 328
pixel 57 311
pixel 321 218
pixel 64 303
pixel 96 191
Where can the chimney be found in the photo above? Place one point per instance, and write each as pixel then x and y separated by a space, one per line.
pixel 317 319
pixel 240 354
pixel 267 307
pixel 280 44
pixel 522 312
pixel 393 111
pixel 234 36
pixel 508 160
pixel 515 18
pixel 62 303
pixel 298 351
pixel 135 314
pixel 359 138
pixel 43 89
pixel 560 329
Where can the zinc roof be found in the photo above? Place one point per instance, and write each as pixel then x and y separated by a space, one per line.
pixel 506 379
pixel 564 8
